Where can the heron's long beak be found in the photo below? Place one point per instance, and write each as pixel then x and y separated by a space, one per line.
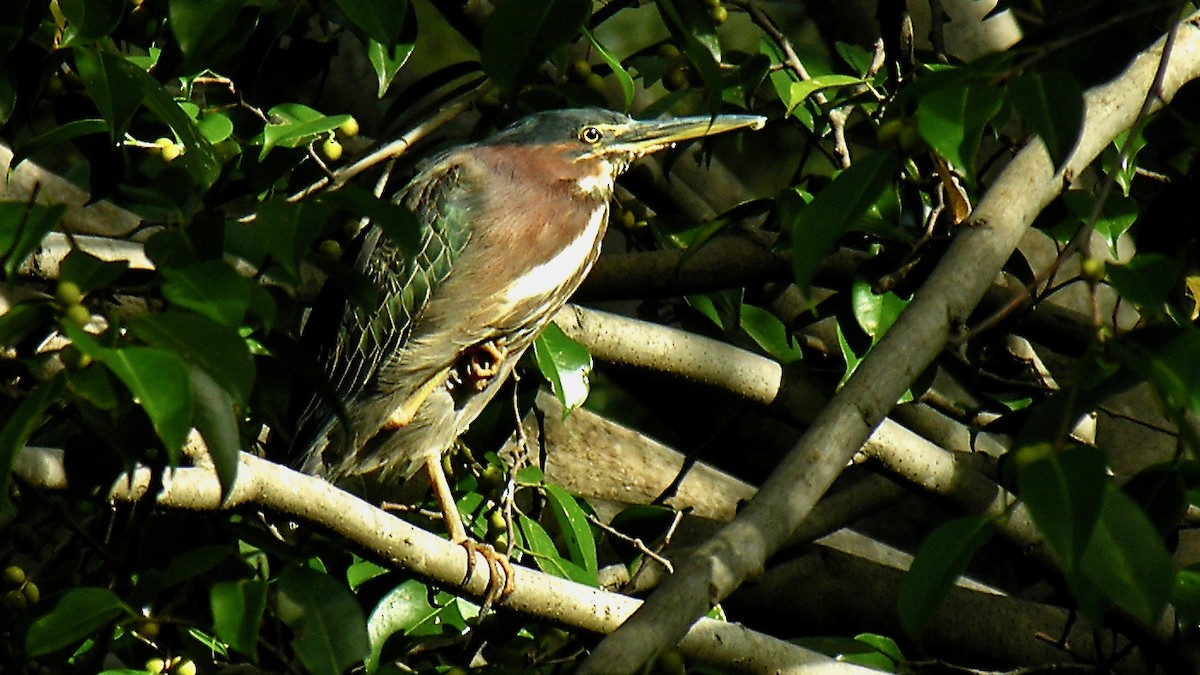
pixel 643 137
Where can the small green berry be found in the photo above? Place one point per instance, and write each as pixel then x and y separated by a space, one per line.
pixel 669 52
pixel 68 293
pixel 155 666
pixel 718 15
pixel 1093 269
pixel 675 78
pixel 171 152
pixel 349 128
pixel 331 149
pixel 14 575
pixel 78 315
pixel 330 248
pixel 580 70
pixel 184 667
pixel 15 600
pixel 32 593
pixel 595 83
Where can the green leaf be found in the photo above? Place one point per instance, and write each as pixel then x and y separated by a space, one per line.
pixel 157 379
pixel 566 364
pixel 940 560
pixel 1051 105
pixel 294 125
pixel 875 313
pixel 23 318
pixel 362 571
pixel 1127 560
pixel 387 62
pixel 800 90
pixel 237 609
pixel 116 90
pixel 521 34
pixel 57 135
pixel 214 127
pixel 382 21
pixel 211 288
pixel 951 120
pixel 17 429
pixel 1185 597
pixel 81 613
pixel 328 627
pixel 1117 216
pixel 769 333
pixel 217 349
pixel 860 652
pixel 89 19
pixel 199 25
pixel 1166 357
pixel 1147 280
pixel 404 608
pixel 624 79
pixel 539 544
pixel 89 272
pixel 836 210
pixel 216 420
pixel 22 228
pixel 575 529
pixel 1064 493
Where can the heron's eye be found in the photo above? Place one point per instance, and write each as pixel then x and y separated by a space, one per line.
pixel 590 135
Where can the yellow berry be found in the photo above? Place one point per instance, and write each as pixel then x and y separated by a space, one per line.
pixel 330 248
pixel 155 665
pixel 78 314
pixel 171 152
pixel 14 575
pixel 185 667
pixel 349 128
pixel 147 628
pixel 669 52
pixel 491 477
pixel 718 15
pixel 670 662
pixel 15 600
pixel 497 522
pixel 32 593
pixel 1093 269
pixel 675 78
pixel 595 83
pixel 68 293
pixel 331 149
pixel 580 70
pixel 627 219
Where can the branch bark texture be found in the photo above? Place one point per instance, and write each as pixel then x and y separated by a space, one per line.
pixel 1025 187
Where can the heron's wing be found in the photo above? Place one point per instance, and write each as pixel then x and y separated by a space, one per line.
pixel 368 337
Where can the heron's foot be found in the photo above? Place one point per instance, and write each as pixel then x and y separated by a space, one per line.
pixel 500 572
pixel 482 362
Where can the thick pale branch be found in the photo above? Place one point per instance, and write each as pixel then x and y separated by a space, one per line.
pixel 263 484
pixel 972 263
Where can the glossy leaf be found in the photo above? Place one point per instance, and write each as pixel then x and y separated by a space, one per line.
pixel 16 430
pixel 566 364
pixel 237 610
pixel 539 544
pixel 116 91
pixel 22 228
pixel 217 349
pixel 328 627
pixel 1147 280
pixel 1051 105
pixel 382 21
pixel 79 614
pixel 216 420
pixel 800 90
pixel 387 62
pixel 1117 216
pixel 89 272
pixel 1064 493
pixel 1127 561
pixel 769 333
pixel 293 125
pixel 211 288
pixel 851 650
pixel 951 120
pixel 402 609
pixel 836 210
pixel 938 563
pixel 89 19
pixel 59 134
pixel 624 79
pixel 521 34
pixel 575 529
pixel 875 313
pixel 199 25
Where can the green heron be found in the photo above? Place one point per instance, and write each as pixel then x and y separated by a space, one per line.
pixel 509 228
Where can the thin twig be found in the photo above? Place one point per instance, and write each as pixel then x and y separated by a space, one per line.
pixel 636 542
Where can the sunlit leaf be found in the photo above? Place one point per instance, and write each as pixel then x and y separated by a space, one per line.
pixel 1051 105
pixel 566 364
pixel 1064 492
pixel 575 529
pixel 237 609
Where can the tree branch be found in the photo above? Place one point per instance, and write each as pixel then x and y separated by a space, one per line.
pixel 263 484
pixel 1025 187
